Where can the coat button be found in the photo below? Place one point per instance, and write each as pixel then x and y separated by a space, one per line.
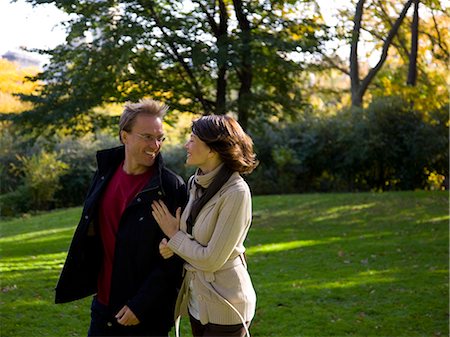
pixel 159 193
pixel 139 199
pixel 86 217
pixel 109 324
pixel 141 218
pixel 102 178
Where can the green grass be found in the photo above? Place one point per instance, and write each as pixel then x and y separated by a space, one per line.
pixel 322 265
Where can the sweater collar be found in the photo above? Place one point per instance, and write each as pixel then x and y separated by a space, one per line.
pixel 204 180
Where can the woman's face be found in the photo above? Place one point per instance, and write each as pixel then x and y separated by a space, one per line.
pixel 198 153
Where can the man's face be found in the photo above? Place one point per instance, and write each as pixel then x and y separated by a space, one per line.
pixel 142 143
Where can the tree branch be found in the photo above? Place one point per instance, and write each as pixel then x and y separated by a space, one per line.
pixel 333 64
pixel 210 17
pixel 366 81
pixel 440 42
pixel 197 90
pixel 402 42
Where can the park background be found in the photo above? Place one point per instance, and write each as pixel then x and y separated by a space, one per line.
pixel 349 114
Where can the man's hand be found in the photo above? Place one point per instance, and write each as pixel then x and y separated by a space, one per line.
pixel 126 317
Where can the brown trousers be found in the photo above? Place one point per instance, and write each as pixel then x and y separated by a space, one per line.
pixel 216 330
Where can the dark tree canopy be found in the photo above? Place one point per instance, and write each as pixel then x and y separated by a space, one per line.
pixel 198 56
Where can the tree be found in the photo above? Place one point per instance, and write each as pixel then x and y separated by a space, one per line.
pixel 13 80
pixel 429 63
pixel 198 56
pixel 360 86
pixel 385 31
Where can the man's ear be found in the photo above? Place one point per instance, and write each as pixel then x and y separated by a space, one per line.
pixel 123 136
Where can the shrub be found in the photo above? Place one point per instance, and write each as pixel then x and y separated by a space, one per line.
pixel 79 155
pixel 41 177
pixel 388 146
pixel 16 202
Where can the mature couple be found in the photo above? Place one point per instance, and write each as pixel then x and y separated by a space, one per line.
pixel 151 251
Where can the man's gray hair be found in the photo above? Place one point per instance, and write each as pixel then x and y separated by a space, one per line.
pixel 144 106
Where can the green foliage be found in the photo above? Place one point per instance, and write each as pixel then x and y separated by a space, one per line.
pixel 388 146
pixel 364 264
pixel 79 155
pixel 400 145
pixel 57 176
pixel 41 174
pixel 16 202
pixel 180 54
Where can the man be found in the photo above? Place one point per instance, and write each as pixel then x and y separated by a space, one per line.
pixel 115 249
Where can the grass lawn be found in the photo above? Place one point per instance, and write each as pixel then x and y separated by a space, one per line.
pixel 322 264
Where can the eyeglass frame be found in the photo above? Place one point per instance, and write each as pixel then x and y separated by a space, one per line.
pixel 150 138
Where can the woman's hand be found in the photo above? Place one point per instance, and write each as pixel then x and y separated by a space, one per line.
pixel 165 251
pixel 166 221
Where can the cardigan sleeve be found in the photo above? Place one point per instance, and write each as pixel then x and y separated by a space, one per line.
pixel 231 225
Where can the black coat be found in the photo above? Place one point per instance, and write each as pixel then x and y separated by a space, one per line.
pixel 141 278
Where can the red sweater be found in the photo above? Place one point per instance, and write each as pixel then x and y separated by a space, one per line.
pixel 118 194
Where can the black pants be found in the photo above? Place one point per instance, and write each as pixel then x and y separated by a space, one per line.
pixel 103 323
pixel 216 330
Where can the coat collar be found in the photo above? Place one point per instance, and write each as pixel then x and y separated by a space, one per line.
pixel 108 160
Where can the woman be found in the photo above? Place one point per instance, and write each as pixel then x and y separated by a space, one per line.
pixel 217 292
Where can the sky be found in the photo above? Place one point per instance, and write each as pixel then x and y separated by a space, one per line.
pixel 32 27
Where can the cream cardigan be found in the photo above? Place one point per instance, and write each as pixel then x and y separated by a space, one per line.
pixel 215 268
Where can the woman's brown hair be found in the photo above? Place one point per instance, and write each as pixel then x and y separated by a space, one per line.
pixel 224 135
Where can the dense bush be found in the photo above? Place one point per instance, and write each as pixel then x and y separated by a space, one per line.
pixel 387 146
pixel 15 202
pixel 48 173
pixel 79 154
pixel 42 172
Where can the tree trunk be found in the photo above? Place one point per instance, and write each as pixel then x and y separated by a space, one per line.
pixel 412 71
pixel 222 58
pixel 354 65
pixel 244 71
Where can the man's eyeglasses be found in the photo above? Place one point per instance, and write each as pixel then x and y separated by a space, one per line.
pixel 150 138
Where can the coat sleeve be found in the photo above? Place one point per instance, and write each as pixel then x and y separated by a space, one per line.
pixel 230 228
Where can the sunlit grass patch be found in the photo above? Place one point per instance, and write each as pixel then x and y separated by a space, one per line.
pixel 39 262
pixel 282 246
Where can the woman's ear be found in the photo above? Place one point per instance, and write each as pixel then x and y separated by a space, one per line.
pixel 212 153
